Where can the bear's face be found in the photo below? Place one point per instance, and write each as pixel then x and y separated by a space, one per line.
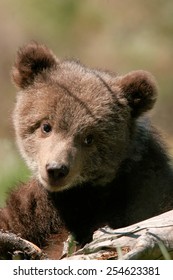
pixel 74 124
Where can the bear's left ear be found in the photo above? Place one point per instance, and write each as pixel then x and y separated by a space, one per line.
pixel 32 60
pixel 140 90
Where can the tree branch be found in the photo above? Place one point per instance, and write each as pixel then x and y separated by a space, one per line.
pixel 14 247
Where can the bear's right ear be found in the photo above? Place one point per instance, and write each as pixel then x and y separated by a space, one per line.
pixel 32 60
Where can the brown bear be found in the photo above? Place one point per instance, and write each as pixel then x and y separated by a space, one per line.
pixel 95 158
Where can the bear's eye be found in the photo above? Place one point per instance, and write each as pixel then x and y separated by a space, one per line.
pixel 89 139
pixel 46 128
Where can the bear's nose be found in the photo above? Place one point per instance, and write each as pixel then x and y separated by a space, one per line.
pixel 56 171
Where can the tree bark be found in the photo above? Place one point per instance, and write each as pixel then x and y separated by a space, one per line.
pixel 16 248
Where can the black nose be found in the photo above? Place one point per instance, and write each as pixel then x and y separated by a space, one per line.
pixel 56 172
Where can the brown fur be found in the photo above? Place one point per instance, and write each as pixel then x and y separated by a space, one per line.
pixel 95 159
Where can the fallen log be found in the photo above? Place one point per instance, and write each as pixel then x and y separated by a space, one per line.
pixel 149 239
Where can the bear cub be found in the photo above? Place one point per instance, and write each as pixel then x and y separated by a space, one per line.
pixel 95 158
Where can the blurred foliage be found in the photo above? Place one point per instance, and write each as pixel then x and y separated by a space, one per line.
pixel 112 34
pixel 12 169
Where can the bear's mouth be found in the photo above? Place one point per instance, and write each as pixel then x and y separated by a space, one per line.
pixel 57 185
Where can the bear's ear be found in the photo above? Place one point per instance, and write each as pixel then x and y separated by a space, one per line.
pixel 140 90
pixel 31 60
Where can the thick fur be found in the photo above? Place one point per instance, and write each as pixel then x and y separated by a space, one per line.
pixel 117 169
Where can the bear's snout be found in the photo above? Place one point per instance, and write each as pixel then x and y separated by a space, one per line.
pixel 56 172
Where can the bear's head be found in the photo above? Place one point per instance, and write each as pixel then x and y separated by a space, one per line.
pixel 74 124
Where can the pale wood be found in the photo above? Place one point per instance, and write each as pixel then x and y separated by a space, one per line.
pixel 149 239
